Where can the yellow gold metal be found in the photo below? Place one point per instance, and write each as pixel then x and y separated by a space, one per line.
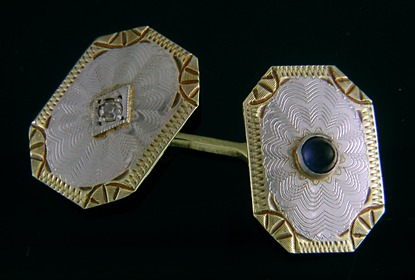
pixel 184 101
pixel 266 208
pixel 367 211
pixel 286 230
pixel 210 145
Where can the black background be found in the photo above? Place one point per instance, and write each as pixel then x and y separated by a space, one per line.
pixel 192 217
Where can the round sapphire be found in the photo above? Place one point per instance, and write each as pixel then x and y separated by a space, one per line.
pixel 318 155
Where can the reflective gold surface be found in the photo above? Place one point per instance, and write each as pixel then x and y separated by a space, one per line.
pixel 266 209
pixel 185 101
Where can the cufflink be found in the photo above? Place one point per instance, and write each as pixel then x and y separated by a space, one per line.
pixel 113 116
pixel 313 155
pixel 311 147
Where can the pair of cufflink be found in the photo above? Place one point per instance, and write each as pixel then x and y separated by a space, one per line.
pixel 311 140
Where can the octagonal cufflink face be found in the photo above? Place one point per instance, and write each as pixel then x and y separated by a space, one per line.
pixel 111 119
pixel 313 156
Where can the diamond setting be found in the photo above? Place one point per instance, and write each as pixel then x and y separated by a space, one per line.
pixel 111 109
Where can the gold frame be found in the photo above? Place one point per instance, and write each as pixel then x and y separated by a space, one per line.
pixel 130 180
pixel 274 221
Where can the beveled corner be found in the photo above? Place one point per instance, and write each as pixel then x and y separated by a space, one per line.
pixel 265 208
pixel 185 101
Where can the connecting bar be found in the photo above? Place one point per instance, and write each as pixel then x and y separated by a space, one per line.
pixel 210 145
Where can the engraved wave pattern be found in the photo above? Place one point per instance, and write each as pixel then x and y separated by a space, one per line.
pixel 84 161
pixel 319 210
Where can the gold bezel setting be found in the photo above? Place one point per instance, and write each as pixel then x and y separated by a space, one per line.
pixel 299 160
pixel 265 209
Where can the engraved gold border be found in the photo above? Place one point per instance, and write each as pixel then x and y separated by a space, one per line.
pixel 130 180
pixel 264 209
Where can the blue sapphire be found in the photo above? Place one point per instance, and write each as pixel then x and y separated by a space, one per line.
pixel 318 155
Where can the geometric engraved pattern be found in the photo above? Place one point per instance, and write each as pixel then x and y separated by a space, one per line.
pixel 317 209
pixel 304 214
pixel 84 161
pixel 113 116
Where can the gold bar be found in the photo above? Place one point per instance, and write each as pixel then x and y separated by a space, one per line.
pixel 210 145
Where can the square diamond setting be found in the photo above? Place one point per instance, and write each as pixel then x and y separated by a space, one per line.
pixel 111 109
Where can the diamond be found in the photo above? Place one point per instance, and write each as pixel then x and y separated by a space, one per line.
pixel 111 109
